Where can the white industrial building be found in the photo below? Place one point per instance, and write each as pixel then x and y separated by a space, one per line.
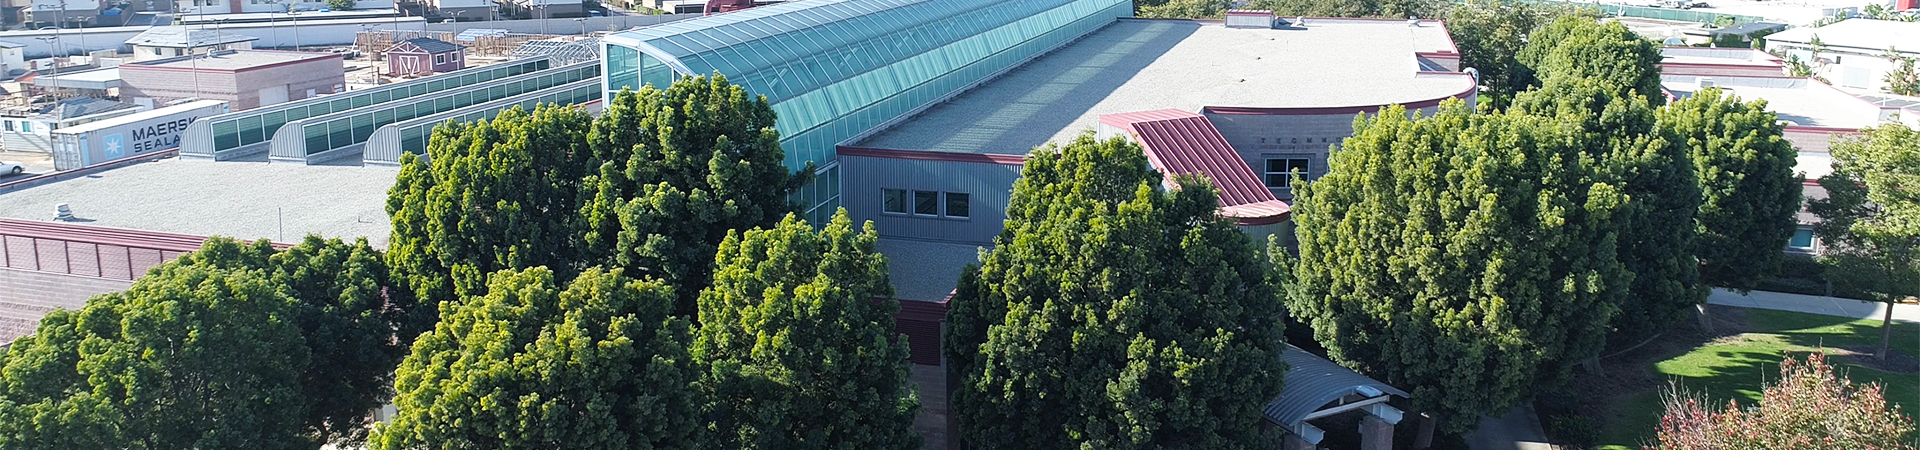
pixel 1852 53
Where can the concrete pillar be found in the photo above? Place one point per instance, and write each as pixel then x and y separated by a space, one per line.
pixel 1375 433
pixel 1295 442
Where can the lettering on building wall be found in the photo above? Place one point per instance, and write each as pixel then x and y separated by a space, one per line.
pixel 1295 143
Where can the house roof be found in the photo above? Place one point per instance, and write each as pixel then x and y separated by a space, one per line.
pixel 1867 34
pixel 1313 382
pixel 430 45
pixel 1182 143
pixel 187 37
pixel 81 107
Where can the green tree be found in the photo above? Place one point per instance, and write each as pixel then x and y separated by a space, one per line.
pixel 1577 46
pixel 1749 193
pixel 1469 258
pixel 675 170
pixel 1490 35
pixel 191 356
pixel 1904 79
pixel 1870 220
pixel 797 334
pixel 356 328
pixel 1655 227
pixel 498 195
pixel 1398 9
pixel 601 364
pixel 1808 407
pixel 1113 313
pixel 340 5
pixel 1186 9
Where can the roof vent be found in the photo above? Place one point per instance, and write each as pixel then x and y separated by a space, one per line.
pixel 1413 22
pixel 1300 21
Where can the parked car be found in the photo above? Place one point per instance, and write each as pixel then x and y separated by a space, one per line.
pixel 12 168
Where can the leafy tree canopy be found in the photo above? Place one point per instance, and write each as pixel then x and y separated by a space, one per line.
pixel 1113 313
pixel 1578 47
pixel 192 356
pixel 1465 257
pixel 600 363
pixel 1870 220
pixel 797 333
pixel 1749 192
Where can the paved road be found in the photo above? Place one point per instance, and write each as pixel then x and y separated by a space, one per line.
pixel 1815 304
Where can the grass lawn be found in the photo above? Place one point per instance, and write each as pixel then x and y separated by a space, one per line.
pixel 1735 367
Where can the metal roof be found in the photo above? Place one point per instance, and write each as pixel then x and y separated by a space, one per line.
pixel 562 52
pixel 1312 383
pixel 1858 33
pixel 747 41
pixel 1180 143
pixel 1748 28
pixel 82 107
pixel 187 37
pixel 475 33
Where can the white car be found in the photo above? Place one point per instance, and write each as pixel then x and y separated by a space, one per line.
pixel 11 168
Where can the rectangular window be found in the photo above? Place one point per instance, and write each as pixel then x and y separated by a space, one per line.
pixel 440 59
pixel 957 204
pixel 893 201
pixel 9 125
pixel 26 127
pixel 1802 239
pixel 926 203
pixel 1280 171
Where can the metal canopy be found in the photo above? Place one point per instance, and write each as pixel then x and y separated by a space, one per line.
pixel 1313 382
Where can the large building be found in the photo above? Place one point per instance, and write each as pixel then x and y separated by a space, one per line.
pixel 917 115
pixel 246 79
pixel 1852 52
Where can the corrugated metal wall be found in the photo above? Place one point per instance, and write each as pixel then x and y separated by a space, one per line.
pixel 987 184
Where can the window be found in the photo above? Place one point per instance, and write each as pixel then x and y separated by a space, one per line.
pixel 926 203
pixel 440 58
pixel 1802 239
pixel 26 127
pixel 1280 170
pixel 893 201
pixel 957 204
pixel 9 125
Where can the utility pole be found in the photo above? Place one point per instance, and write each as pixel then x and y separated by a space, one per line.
pixel 583 25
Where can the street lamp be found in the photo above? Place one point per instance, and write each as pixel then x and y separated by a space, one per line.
pixel 296 26
pixel 583 25
pixel 218 43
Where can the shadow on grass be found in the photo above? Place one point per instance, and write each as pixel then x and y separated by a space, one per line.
pixel 1732 363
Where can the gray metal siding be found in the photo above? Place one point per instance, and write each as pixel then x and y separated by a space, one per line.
pixel 289 143
pixel 987 185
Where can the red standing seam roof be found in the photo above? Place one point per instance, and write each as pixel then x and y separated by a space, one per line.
pixel 1180 142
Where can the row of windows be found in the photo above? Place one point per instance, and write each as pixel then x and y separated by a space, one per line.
pixel 337 131
pixel 258 125
pixel 413 138
pixel 926 203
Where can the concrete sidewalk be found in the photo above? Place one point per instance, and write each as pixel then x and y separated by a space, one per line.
pixel 1814 304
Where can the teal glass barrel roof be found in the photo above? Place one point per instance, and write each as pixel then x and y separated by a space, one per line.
pixel 833 69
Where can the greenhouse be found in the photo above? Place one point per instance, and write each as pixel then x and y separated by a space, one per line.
pixel 838 69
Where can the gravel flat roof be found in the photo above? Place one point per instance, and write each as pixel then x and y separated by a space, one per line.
pixel 245 200
pixel 1141 65
pixel 925 270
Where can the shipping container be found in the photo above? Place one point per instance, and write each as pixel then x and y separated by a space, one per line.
pixel 121 137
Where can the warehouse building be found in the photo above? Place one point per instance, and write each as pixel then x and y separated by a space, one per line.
pixel 1851 52
pixel 918 115
pixel 245 79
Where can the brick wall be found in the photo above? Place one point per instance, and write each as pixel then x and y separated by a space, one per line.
pixel 240 88
pixel 27 295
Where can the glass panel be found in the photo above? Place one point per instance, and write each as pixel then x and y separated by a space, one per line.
pixel 1802 238
pixel 894 201
pixel 926 203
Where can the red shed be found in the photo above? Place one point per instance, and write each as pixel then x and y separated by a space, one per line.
pixel 425 56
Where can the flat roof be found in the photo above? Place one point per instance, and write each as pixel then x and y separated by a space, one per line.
pixel 1718 56
pixel 1858 33
pixel 1138 65
pixel 236 61
pixel 245 200
pixel 1798 100
pixel 925 270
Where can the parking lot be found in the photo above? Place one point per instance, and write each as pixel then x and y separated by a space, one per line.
pixel 36 164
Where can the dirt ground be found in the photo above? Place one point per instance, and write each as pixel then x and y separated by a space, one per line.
pixel 36 163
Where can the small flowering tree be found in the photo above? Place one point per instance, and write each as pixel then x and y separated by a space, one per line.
pixel 1810 408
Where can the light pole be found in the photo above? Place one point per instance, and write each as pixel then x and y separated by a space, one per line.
pixel 218 39
pixel 296 27
pixel 543 16
pixel 583 25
